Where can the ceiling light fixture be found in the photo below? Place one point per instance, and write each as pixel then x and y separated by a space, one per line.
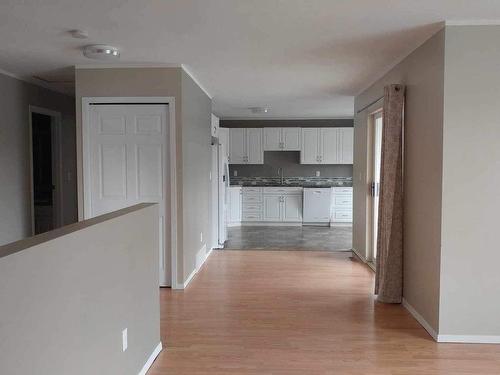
pixel 259 109
pixel 101 52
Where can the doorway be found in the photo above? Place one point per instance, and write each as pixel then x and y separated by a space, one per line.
pixel 45 176
pixel 376 128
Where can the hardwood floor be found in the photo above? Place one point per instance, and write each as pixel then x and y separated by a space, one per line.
pixel 298 312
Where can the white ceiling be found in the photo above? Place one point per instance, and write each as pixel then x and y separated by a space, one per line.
pixel 301 58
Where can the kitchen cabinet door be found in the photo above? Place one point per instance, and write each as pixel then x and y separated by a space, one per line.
pixel 292 208
pixel 346 148
pixel 234 205
pixel 255 152
pixel 237 146
pixel 310 146
pixel 272 139
pixel 272 208
pixel 329 145
pixel 291 139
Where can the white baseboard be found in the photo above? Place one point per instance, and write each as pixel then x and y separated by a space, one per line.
pixel 151 359
pixel 419 318
pixel 200 261
pixel 469 339
pixel 358 255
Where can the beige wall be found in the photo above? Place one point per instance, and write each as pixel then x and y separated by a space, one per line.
pixel 197 164
pixel 193 114
pixel 15 98
pixel 470 280
pixel 422 72
pixel 68 294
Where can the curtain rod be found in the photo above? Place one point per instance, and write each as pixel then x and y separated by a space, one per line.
pixel 369 105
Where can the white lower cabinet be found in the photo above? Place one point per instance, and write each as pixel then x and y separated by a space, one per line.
pixel 234 206
pixel 272 204
pixel 341 205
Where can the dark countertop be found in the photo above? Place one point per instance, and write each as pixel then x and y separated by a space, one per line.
pixel 290 185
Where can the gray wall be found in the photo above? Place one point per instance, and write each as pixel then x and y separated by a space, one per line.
pixel 68 294
pixel 470 280
pixel 290 162
pixel 193 114
pixel 422 72
pixel 197 164
pixel 15 98
pixel 291 123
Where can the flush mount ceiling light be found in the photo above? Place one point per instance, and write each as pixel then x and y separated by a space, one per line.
pixel 101 52
pixel 258 109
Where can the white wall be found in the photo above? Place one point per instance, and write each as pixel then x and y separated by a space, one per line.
pixel 15 98
pixel 66 296
pixel 422 72
pixel 470 279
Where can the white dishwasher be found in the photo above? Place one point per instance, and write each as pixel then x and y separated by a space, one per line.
pixel 317 205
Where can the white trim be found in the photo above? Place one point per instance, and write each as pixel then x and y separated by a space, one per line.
pixel 151 359
pixel 195 271
pixel 469 339
pixel 189 73
pixel 419 318
pixel 472 23
pixel 170 101
pixel 57 204
pixel 363 259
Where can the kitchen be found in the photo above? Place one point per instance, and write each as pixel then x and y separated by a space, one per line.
pixel 290 184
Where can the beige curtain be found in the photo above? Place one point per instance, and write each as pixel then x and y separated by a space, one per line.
pixel 389 277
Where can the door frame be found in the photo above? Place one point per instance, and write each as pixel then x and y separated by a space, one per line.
pixel 170 171
pixel 57 170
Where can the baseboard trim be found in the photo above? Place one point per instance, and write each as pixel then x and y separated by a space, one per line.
pixel 356 252
pixel 151 359
pixel 419 318
pixel 195 271
pixel 469 339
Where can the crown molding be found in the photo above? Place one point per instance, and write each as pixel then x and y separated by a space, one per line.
pixel 189 73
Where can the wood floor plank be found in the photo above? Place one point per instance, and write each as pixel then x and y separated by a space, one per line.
pixel 299 312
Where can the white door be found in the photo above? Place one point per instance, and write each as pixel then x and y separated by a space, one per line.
pixel 272 139
pixel 310 146
pixel 292 208
pixel 272 208
pixel 255 152
pixel 329 146
pixel 127 159
pixel 346 145
pixel 291 139
pixel 237 146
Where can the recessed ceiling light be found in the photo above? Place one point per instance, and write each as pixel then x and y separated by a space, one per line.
pixel 259 109
pixel 101 52
pixel 79 34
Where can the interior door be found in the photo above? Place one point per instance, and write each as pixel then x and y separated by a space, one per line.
pixel 272 139
pixel 255 152
pixel 310 150
pixel 127 151
pixel 291 139
pixel 237 146
pixel 329 146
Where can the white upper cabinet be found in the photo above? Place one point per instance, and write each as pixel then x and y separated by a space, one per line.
pixel 245 146
pixel 290 139
pixel 327 146
pixel 346 143
pixel 310 146
pixel 237 146
pixel 282 139
pixel 272 139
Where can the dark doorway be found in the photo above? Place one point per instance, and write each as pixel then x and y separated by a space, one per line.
pixel 44 184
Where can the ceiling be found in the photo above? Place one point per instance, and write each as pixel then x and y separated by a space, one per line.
pixel 300 58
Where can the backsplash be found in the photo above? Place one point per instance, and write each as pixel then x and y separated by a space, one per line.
pixel 292 181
